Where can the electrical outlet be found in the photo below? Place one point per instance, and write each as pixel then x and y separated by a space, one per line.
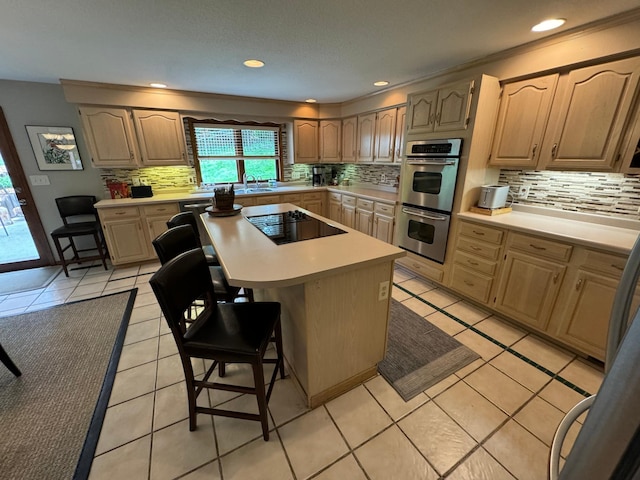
pixel 383 291
pixel 523 192
pixel 39 180
pixel 383 178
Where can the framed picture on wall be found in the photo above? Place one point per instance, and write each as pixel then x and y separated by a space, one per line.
pixel 54 147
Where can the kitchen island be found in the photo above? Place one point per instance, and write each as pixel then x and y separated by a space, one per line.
pixel 335 293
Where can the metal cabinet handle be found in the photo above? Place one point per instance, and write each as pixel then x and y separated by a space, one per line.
pixel 478 233
pixel 471 262
pixel 555 277
pixel 617 267
pixel 473 247
pixel 533 152
pixel 470 284
pixel 537 247
pixel 131 154
pixel 579 284
pixel 554 149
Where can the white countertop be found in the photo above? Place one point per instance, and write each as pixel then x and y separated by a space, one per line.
pixel 250 259
pixel 596 231
pixel 363 191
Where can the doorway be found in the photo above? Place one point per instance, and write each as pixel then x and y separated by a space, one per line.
pixel 23 241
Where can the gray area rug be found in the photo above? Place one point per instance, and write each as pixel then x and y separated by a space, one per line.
pixel 419 354
pixel 51 416
pixel 30 279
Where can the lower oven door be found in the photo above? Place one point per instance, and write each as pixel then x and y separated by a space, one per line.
pixel 424 232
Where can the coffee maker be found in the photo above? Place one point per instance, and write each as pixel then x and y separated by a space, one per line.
pixel 318 176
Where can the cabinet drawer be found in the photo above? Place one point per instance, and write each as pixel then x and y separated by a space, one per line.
pixel 384 209
pixel 335 196
pixel 471 283
pixel 119 212
pixel 295 198
pixel 481 249
pixel 541 247
pixel 486 234
pixel 364 204
pixel 267 199
pixel 348 200
pixel 475 263
pixel 245 201
pixel 311 196
pixel 605 263
pixel 169 209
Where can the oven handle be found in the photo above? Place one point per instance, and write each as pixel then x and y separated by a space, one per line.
pixel 418 161
pixel 416 213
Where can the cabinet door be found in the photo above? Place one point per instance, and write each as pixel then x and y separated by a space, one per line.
pixel 305 139
pixel 383 228
pixel 330 140
pixel 586 312
pixel 453 107
pixel 110 136
pixel 349 215
pixel 398 143
pixel 314 206
pixel 364 221
pixel 587 120
pixel 335 210
pixel 528 288
pixel 126 240
pixel 385 135
pixel 161 138
pixel 157 226
pixel 421 112
pixel 524 111
pixel 366 139
pixel 349 139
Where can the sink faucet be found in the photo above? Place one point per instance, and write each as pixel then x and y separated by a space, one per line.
pixel 246 177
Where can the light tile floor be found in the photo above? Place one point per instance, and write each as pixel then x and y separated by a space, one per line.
pixel 493 419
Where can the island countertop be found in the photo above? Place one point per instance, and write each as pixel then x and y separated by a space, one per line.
pixel 250 259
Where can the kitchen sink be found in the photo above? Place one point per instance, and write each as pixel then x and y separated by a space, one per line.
pixel 253 190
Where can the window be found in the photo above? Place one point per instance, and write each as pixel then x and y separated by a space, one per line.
pixel 224 151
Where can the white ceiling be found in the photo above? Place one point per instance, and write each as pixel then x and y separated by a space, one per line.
pixel 331 50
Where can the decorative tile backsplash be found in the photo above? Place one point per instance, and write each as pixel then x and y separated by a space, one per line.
pixel 611 194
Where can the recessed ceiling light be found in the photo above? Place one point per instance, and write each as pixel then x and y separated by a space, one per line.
pixel 311 100
pixel 381 83
pixel 253 63
pixel 157 85
pixel 548 25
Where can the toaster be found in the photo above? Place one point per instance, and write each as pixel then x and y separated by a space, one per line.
pixel 493 196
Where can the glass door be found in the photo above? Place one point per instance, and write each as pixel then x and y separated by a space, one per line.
pixel 23 242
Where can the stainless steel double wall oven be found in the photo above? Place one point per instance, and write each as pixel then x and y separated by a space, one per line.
pixel 427 193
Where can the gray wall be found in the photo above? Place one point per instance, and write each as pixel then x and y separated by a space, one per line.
pixel 26 103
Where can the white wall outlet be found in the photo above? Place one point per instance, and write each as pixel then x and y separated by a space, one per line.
pixel 383 291
pixel 523 191
pixel 383 178
pixel 39 180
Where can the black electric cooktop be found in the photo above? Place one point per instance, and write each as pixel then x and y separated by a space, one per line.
pixel 292 226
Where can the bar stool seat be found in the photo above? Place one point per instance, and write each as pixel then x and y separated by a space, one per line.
pixel 80 207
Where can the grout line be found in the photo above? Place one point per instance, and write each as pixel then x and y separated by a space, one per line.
pixel 506 348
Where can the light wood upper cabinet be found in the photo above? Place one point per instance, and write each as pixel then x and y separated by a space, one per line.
pixel 366 137
pixel 522 118
pixel 110 136
pixel 589 115
pixel 330 140
pixel 385 135
pixel 305 138
pixel 442 110
pixel 349 139
pixel 160 137
pixel 401 122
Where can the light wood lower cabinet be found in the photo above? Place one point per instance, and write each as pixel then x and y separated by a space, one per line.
pixel 335 207
pixel 475 260
pixel 364 216
pixel 349 211
pixel 314 202
pixel 130 230
pixel 559 289
pixel 383 221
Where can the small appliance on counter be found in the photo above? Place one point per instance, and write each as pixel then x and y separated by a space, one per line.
pixel 493 196
pixel 318 176
pixel 141 191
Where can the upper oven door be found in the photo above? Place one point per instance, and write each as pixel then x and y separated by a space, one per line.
pixel 430 182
